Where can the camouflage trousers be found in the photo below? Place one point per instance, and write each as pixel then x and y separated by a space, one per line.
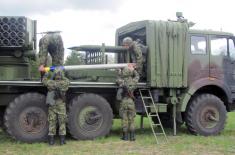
pixel 52 44
pixel 127 112
pixel 57 114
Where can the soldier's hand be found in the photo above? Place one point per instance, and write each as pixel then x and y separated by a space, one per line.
pixel 41 68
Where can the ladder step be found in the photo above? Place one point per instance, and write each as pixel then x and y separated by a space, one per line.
pixel 156 124
pixel 146 97
pixel 149 106
pixel 144 89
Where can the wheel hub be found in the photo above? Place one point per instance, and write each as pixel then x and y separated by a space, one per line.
pixel 33 120
pixel 90 119
pixel 209 117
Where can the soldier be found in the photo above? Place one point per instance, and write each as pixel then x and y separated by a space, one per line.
pixel 127 81
pixel 51 43
pixel 135 53
pixel 57 87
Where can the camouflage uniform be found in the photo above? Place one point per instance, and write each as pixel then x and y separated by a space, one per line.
pixel 52 43
pixel 127 81
pixel 56 101
pixel 127 113
pixel 136 56
pixel 136 53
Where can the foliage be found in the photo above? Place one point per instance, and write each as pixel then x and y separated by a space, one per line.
pixel 75 58
pixel 34 64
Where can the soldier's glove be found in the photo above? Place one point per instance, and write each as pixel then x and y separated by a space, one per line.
pixel 41 68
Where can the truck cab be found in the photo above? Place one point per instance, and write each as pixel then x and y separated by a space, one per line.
pixel 197 64
pixel 211 60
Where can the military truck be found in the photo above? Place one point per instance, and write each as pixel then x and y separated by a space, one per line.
pixel 190 74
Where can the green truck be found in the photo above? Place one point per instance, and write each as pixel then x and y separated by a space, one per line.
pixel 190 73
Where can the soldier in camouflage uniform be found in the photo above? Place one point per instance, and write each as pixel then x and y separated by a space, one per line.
pixel 51 43
pixel 57 87
pixel 135 53
pixel 127 81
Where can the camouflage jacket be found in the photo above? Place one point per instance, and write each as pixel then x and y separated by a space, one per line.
pixel 128 78
pixel 137 57
pixel 51 84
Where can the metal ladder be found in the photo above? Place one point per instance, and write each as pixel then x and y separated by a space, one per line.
pixel 148 96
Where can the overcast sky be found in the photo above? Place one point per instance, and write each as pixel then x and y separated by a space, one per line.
pixel 95 21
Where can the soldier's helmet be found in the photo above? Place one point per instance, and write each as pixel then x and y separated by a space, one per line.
pixel 127 41
pixel 58 74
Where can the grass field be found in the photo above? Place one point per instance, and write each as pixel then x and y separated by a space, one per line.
pixel 183 143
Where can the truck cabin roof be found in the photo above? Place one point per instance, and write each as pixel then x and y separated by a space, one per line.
pixel 138 29
pixel 210 32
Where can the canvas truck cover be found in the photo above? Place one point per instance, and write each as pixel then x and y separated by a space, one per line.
pixel 167 43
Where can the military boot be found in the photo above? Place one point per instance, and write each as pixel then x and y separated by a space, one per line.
pixel 124 136
pixel 51 140
pixel 132 136
pixel 62 140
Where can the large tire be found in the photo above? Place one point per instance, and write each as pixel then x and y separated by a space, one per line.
pixel 26 118
pixel 89 116
pixel 205 115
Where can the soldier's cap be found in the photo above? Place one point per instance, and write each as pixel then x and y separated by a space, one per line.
pixel 127 40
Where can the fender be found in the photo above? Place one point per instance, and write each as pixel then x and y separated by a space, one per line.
pixel 196 85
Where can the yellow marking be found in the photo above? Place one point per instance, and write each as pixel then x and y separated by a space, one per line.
pixel 47 69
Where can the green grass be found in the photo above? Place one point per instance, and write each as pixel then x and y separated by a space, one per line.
pixel 183 143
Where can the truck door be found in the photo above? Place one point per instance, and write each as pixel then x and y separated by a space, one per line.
pixel 222 59
pixel 198 58
pixel 232 64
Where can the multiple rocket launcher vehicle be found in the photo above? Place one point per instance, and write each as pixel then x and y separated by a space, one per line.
pixel 189 81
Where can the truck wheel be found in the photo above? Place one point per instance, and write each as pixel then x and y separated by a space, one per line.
pixel 206 115
pixel 26 118
pixel 89 116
